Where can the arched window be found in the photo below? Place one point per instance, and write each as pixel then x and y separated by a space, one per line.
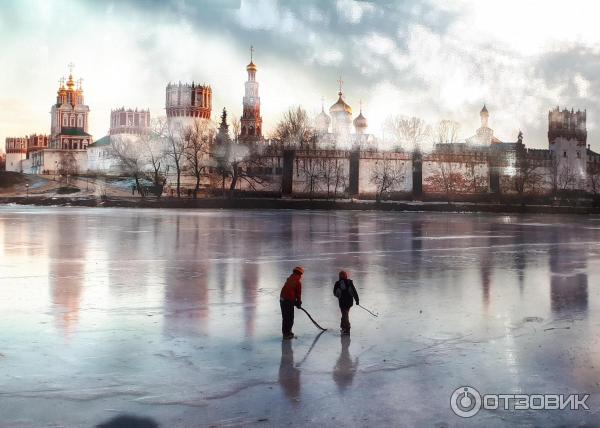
pixel 65 120
pixel 243 130
pixel 72 121
pixel 251 132
pixel 79 121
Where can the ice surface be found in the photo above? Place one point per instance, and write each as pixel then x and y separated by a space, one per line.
pixel 173 315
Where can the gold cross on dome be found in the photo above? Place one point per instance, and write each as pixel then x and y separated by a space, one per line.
pixel 71 66
pixel 251 52
pixel 341 82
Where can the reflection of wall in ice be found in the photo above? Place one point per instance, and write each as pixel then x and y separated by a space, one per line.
pixel 568 278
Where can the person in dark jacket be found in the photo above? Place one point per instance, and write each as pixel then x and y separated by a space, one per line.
pixel 346 293
pixel 291 295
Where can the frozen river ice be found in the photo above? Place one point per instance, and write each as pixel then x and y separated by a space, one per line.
pixel 173 315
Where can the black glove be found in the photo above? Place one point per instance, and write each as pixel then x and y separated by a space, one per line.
pixel 357 304
pixel 298 304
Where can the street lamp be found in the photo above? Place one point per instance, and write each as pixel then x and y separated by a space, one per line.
pixel 27 189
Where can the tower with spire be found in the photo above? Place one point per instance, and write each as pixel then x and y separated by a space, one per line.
pixel 251 121
pixel 484 135
pixel 69 116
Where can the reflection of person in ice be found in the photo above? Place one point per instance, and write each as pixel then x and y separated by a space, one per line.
pixel 289 375
pixel 345 368
pixel 344 290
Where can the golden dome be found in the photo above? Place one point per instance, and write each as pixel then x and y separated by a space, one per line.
pixel 251 66
pixel 340 106
pixel 70 82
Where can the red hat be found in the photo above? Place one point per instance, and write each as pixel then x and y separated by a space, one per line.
pixel 299 270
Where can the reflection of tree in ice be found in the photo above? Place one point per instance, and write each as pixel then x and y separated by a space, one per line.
pixel 345 368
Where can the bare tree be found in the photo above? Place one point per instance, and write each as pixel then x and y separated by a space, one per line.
pixel 409 132
pixel 242 164
pixel 334 176
pixel 554 172
pixel 154 147
pixel 593 173
pixel 311 169
pixel 131 160
pixel 527 178
pixel 567 178
pixel 445 132
pixel 67 164
pixel 474 182
pixel 294 130
pixel 175 149
pixel 445 178
pixel 198 138
pixel 236 126
pixel 386 176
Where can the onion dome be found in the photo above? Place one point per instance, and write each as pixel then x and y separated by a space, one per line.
pixel 360 122
pixel 340 106
pixel 70 82
pixel 322 121
pixel 251 67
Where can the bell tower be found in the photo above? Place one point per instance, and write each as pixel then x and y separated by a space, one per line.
pixel 251 121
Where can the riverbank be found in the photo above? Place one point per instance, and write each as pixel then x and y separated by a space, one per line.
pixel 299 204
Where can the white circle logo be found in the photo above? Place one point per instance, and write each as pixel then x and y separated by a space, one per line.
pixel 465 401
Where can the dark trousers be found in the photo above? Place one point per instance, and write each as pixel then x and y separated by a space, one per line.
pixel 345 323
pixel 287 315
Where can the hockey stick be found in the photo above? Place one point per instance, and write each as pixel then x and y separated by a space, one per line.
pixel 311 318
pixel 360 306
pixel 310 349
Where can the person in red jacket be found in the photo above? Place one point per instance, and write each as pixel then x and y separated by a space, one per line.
pixel 291 295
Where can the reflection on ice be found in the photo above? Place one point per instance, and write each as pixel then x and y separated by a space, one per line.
pixel 345 368
pixel 174 316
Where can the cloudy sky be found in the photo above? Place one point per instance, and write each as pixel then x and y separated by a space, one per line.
pixel 434 59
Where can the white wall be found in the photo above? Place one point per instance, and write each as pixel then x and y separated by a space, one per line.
pixel 13 161
pixel 369 162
